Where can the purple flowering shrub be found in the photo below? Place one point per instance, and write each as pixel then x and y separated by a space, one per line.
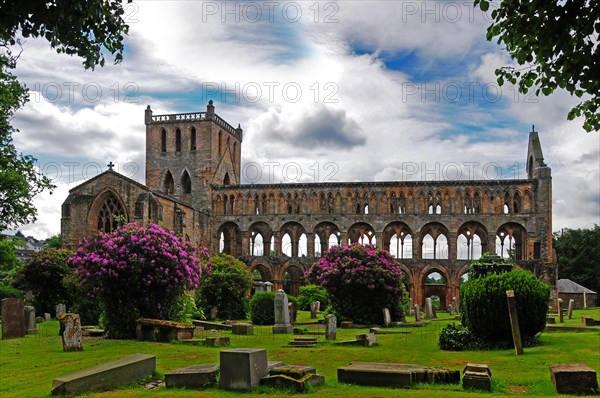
pixel 137 271
pixel 360 281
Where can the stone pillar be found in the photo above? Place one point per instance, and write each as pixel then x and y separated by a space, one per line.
pixel 514 321
pixel 452 246
pixel 246 243
pixel 559 306
pixel 417 313
pixel 282 316
pixel 416 246
pixel 310 244
pixel 570 310
pixel 429 308
pixel 330 327
pixel 278 245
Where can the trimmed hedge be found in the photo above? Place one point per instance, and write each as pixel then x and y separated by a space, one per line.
pixel 262 308
pixel 484 307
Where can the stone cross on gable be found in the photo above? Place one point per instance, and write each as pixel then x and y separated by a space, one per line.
pixel 110 165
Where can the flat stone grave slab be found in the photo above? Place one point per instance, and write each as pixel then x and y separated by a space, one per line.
pixel 195 376
pixel 212 325
pixel 292 376
pixel 394 374
pixel 244 329
pixel 574 378
pixel 105 376
pixel 162 331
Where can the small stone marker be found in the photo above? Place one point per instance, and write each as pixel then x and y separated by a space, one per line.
pixel 450 310
pixel 417 313
pixel 514 321
pixel 214 313
pixel 330 327
pixel 217 341
pixel 268 286
pixel 574 378
pixel 105 376
pixel 245 329
pixel 13 318
pixel 455 305
pixel 313 310
pixel 60 309
pixel 550 320
pixel 570 310
pixel 411 307
pixel 47 316
pixel 242 368
pixel 282 315
pixel 195 376
pixel 30 322
pixel 70 331
pixel 560 312
pixel 387 319
pixel 477 376
pixel 39 319
pixel 292 311
pixel 429 308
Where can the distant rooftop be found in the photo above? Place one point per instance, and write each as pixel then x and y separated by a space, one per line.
pixel 568 286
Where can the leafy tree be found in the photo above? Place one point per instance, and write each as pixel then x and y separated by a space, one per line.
pixel 224 286
pixel 44 275
pixel 83 28
pixel 8 258
pixel 556 45
pixel 489 264
pixel 578 256
pixel 54 241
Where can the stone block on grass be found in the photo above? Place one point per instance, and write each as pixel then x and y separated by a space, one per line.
pixel 125 370
pixel 574 378
pixel 195 376
pixel 242 368
pixel 245 329
pixel 218 341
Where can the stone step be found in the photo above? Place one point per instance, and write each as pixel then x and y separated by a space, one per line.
pixel 303 343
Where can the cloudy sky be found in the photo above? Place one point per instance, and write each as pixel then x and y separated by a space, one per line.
pixel 325 91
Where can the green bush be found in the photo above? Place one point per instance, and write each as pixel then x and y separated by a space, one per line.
pixel 10 292
pixel 456 337
pixel 489 264
pixel 484 306
pixel 224 286
pixel 310 294
pixel 79 302
pixel 262 308
pixel 44 275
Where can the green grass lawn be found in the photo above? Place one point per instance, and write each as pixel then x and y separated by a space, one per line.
pixel 28 365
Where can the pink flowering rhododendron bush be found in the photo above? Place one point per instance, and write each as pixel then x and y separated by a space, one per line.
pixel 360 281
pixel 137 271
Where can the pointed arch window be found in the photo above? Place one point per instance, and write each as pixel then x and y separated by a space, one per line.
pixel 169 183
pixel 178 140
pixel 193 139
pixel 186 182
pixel 111 214
pixel 226 180
pixel 163 138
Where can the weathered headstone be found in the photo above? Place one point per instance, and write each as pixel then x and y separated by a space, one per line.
pixel 282 315
pixel 387 319
pixel 292 310
pixel 242 368
pixel 214 313
pixel 330 327
pixel 70 331
pixel 455 304
pixel 477 376
pixel 411 307
pixel 417 313
pixel 574 378
pixel 514 321
pixel 30 322
pixel 428 308
pixel 318 304
pixel 13 318
pixel 60 309
pixel 245 329
pixel 570 310
pixel 313 310
pixel 433 311
pixel 559 305
pixel 47 317
pixel 259 287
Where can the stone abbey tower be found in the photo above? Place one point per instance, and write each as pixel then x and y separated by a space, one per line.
pixel 193 186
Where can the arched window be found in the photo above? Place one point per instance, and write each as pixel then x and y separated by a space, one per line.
pixel 226 180
pixel 186 182
pixel 111 214
pixel 193 139
pixel 163 139
pixel 178 140
pixel 169 183
pixel 286 245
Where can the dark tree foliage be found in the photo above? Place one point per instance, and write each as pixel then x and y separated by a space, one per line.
pixel 578 256
pixel 74 27
pixel 488 264
pixel 556 45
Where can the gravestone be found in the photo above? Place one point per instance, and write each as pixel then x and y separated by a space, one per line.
pixel 314 309
pixel 330 327
pixel 428 308
pixel 411 307
pixel 292 310
pixel 60 309
pixel 282 315
pixel 13 318
pixel 417 313
pixel 259 287
pixel 570 310
pixel 245 329
pixel 477 376
pixel 387 319
pixel 30 322
pixel 195 376
pixel 242 368
pixel 455 305
pixel 559 305
pixel 47 317
pixel 433 311
pixel 574 378
pixel 268 286
pixel 70 331
pixel 214 313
